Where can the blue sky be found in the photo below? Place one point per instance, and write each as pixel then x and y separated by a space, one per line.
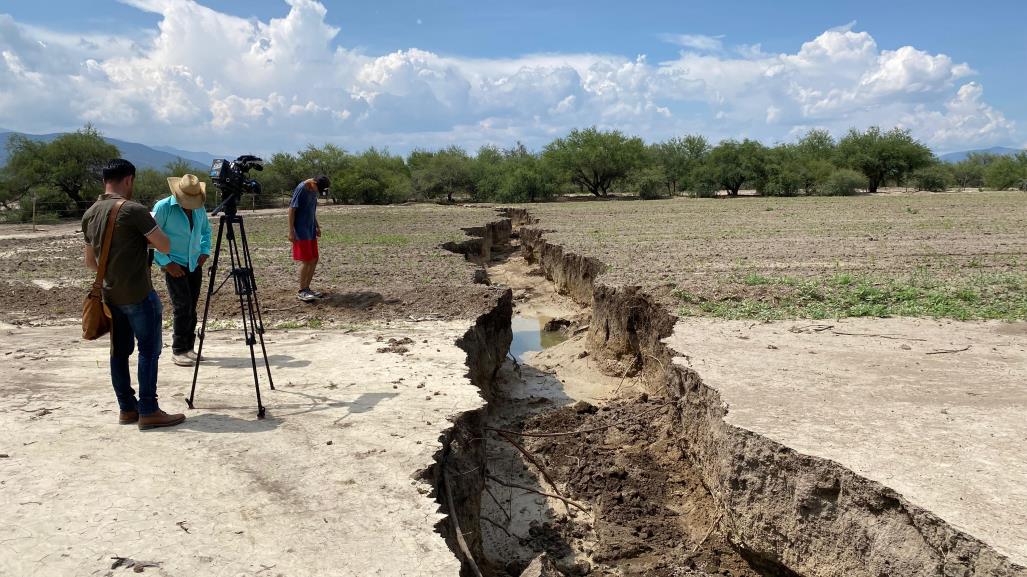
pixel 404 74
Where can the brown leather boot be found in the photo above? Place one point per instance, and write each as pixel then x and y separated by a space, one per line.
pixel 159 419
pixel 128 417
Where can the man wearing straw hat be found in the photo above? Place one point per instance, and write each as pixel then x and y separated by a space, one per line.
pixel 183 218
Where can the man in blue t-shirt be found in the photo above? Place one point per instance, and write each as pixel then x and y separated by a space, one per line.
pixel 304 232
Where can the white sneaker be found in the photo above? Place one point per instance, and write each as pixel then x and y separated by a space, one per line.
pixel 183 360
pixel 192 355
pixel 306 296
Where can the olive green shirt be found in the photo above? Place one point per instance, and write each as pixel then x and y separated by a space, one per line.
pixel 127 279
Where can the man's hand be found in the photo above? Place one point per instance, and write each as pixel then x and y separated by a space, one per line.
pixel 292 235
pixel 203 258
pixel 173 269
pixel 317 232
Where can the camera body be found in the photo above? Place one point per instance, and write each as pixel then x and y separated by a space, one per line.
pixel 230 177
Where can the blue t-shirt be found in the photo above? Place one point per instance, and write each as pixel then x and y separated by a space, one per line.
pixel 304 201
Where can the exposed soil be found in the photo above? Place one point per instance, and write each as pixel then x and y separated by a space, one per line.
pixel 377 264
pixel 706 248
pixel 652 514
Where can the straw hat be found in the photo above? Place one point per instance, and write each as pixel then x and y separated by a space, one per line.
pixel 190 191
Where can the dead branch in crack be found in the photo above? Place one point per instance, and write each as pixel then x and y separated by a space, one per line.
pixel 498 526
pixel 947 351
pixel 498 504
pixel 653 357
pixel 543 493
pixel 542 470
pixel 623 376
pixel 708 533
pixel 456 523
pixel 583 431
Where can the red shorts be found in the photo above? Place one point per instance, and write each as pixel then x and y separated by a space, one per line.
pixel 304 250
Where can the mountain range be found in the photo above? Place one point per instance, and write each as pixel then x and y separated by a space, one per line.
pixel 141 155
pixel 960 156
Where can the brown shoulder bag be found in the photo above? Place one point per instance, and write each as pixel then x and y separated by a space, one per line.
pixel 96 317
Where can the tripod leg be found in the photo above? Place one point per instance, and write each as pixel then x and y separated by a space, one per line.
pixel 256 302
pixel 206 309
pixel 243 289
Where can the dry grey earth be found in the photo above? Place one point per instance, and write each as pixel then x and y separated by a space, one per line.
pixel 933 409
pixel 323 486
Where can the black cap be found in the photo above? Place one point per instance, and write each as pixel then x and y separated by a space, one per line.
pixel 322 183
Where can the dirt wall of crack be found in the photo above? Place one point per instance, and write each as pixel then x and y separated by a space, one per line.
pixel 461 461
pixel 788 513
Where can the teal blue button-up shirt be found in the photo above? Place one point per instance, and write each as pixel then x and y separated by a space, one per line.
pixel 186 244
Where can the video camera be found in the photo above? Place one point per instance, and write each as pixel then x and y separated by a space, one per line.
pixel 231 179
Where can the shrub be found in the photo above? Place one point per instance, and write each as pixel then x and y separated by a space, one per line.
pixel 933 178
pixel 843 182
pixel 651 183
pixel 783 183
pixel 703 183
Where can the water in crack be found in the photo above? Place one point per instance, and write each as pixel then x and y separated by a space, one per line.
pixel 529 335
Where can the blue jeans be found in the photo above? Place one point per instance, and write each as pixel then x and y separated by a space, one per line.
pixel 131 323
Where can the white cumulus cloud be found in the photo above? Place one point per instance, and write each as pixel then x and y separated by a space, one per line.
pixel 211 80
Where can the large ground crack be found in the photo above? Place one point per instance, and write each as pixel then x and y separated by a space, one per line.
pixel 678 492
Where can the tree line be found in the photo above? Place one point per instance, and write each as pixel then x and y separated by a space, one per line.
pixel 585 161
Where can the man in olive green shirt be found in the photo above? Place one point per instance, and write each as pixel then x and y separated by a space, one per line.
pixel 134 305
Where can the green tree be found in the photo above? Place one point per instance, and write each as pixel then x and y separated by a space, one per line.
pixel 969 172
pixel 934 178
pixel 151 185
pixel 815 151
pixel 882 155
pixel 677 159
pixel 784 169
pixel 487 173
pixel 733 163
pixel 71 164
pixel 1005 172
pixel 441 173
pixel 526 177
pixel 282 173
pixel 595 160
pixel 843 182
pixel 373 177
pixel 329 160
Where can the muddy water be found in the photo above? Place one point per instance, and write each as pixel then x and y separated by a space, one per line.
pixel 530 336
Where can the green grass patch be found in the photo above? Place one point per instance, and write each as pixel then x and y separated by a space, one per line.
pixel 976 297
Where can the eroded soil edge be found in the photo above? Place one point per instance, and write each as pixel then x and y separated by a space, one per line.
pixel 784 512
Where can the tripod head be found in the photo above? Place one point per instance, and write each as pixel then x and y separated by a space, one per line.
pixel 230 179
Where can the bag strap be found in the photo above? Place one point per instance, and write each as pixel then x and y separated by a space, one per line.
pixel 105 248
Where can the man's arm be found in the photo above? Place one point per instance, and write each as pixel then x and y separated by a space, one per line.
pixel 89 257
pixel 160 215
pixel 292 224
pixel 159 241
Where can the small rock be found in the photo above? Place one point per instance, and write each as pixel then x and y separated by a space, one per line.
pixel 542 566
pixel 582 354
pixel 554 325
pixel 905 347
pixel 328 442
pixel 585 408
pixel 4 456
pixel 772 347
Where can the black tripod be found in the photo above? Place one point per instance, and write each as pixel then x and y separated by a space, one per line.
pixel 245 287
